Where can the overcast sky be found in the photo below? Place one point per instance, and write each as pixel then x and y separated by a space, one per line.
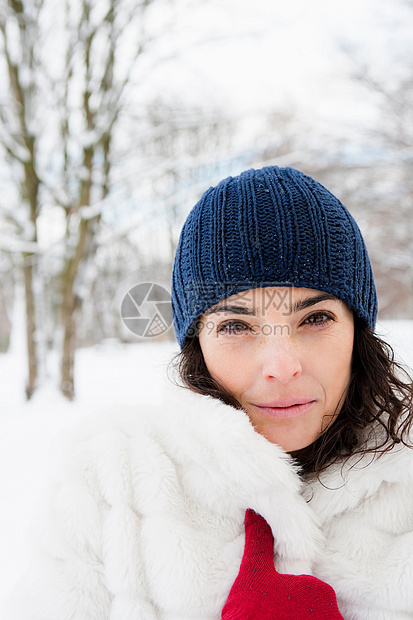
pixel 251 55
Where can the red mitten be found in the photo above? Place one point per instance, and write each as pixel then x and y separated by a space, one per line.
pixel 260 593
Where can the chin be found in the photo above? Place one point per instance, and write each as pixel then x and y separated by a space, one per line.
pixel 292 437
pixel 292 447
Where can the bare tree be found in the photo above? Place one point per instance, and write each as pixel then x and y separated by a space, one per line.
pixel 94 38
pixel 19 32
pixel 68 68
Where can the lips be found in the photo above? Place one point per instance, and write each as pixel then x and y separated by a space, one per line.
pixel 286 402
pixel 286 408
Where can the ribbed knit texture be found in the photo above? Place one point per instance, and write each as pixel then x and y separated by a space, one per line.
pixel 269 227
pixel 260 593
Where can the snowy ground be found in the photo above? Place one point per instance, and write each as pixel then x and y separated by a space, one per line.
pixel 106 375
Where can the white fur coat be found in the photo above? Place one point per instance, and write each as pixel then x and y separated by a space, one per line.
pixel 145 520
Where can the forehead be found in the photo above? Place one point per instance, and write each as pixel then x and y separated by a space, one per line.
pixel 259 299
pixel 279 298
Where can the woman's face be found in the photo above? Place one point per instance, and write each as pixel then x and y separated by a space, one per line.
pixel 285 355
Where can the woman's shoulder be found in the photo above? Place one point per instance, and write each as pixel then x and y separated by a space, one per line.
pixel 366 477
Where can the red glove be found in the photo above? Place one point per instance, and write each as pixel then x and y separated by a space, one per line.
pixel 260 593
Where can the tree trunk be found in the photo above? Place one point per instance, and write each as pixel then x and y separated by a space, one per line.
pixel 30 326
pixel 69 305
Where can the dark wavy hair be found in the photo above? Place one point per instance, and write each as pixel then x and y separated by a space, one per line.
pixel 380 394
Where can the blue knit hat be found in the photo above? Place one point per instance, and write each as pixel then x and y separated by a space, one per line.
pixel 269 227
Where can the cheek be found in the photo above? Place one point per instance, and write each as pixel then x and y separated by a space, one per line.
pixel 333 370
pixel 226 364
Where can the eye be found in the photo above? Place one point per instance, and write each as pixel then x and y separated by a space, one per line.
pixel 233 327
pixel 318 318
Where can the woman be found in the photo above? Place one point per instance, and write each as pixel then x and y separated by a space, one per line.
pixel 286 479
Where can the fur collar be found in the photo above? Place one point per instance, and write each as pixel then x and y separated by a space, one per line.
pixel 233 468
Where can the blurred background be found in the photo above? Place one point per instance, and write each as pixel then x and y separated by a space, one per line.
pixel 115 116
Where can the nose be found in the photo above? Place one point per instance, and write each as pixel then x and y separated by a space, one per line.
pixel 280 359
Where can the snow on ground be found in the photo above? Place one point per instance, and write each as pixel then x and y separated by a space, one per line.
pixel 106 375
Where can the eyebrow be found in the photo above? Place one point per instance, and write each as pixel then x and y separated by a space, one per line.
pixel 230 308
pixel 311 301
pixel 297 307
